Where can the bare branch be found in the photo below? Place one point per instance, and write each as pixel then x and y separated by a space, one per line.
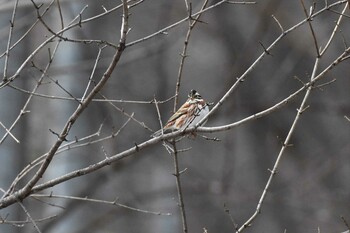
pixel 86 199
pixel 158 113
pixel 308 16
pixel 8 132
pixel 278 22
pixel 181 203
pixel 128 115
pixel 92 72
pixel 228 212
pixel 29 217
pixel 12 22
pixel 281 152
pixel 19 223
pixel 334 30
pixel 104 99
pixel 26 190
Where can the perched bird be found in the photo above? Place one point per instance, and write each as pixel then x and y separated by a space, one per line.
pixel 188 115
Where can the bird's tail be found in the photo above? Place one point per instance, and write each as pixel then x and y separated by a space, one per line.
pixel 157 133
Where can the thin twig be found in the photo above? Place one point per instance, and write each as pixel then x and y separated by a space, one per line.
pixel 128 115
pixel 308 16
pixel 278 23
pixel 334 30
pixel 12 23
pixel 18 223
pixel 159 115
pixel 8 132
pixel 64 89
pixel 339 13
pixel 105 99
pixel 92 72
pixel 29 217
pixel 235 225
pixel 86 199
pixel 325 84
pixel 111 136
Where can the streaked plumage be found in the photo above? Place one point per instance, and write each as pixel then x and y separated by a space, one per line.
pixel 188 115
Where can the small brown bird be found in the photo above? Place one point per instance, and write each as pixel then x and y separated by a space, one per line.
pixel 188 115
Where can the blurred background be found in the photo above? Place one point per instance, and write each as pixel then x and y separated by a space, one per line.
pixel 311 188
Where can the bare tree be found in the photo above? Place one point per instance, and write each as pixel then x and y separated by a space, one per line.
pixel 86 84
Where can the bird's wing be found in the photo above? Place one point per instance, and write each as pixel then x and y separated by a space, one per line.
pixel 181 111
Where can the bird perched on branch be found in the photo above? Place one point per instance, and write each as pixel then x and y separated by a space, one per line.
pixel 188 115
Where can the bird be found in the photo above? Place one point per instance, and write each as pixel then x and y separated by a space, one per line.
pixel 188 115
